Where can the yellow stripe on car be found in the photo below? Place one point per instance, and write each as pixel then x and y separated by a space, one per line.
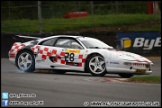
pixel 76 51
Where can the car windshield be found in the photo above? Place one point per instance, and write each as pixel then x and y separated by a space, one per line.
pixel 94 43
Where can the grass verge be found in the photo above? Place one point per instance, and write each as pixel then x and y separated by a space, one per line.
pixel 62 24
pixel 146 79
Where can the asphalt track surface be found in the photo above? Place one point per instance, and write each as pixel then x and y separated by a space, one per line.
pixel 78 89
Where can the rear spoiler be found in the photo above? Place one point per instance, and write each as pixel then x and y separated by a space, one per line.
pixel 22 38
pixel 29 37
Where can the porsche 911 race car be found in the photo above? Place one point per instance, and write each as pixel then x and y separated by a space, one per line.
pixel 65 53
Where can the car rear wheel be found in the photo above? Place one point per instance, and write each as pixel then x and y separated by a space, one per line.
pixel 96 65
pixel 25 61
pixel 125 75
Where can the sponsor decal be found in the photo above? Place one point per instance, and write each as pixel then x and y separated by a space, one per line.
pixel 74 64
pixel 111 62
pixel 76 51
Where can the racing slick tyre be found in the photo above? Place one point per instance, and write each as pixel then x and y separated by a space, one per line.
pixel 96 65
pixel 125 75
pixel 25 61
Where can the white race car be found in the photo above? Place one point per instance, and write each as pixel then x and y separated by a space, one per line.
pixel 64 53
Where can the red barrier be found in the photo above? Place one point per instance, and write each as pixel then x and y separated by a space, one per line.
pixel 76 14
pixel 150 7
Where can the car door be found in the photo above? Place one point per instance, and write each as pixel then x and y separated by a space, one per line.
pixel 42 59
pixel 67 54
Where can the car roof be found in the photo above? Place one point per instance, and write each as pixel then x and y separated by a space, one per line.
pixel 65 36
pixel 60 36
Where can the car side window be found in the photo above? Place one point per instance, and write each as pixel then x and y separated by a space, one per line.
pixel 65 43
pixel 68 43
pixel 49 42
pixel 76 45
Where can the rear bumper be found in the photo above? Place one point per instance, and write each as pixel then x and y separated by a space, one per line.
pixel 12 60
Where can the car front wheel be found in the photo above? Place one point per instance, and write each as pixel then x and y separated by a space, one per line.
pixel 25 61
pixel 96 65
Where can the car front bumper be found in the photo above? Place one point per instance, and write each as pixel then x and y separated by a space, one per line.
pixel 133 67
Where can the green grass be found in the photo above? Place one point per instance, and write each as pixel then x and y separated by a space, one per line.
pixel 62 24
pixel 146 79
pixel 152 28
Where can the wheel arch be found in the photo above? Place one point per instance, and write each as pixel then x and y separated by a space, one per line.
pixel 32 67
pixel 24 49
pixel 94 53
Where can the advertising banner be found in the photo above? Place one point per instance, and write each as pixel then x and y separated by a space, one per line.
pixel 139 42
